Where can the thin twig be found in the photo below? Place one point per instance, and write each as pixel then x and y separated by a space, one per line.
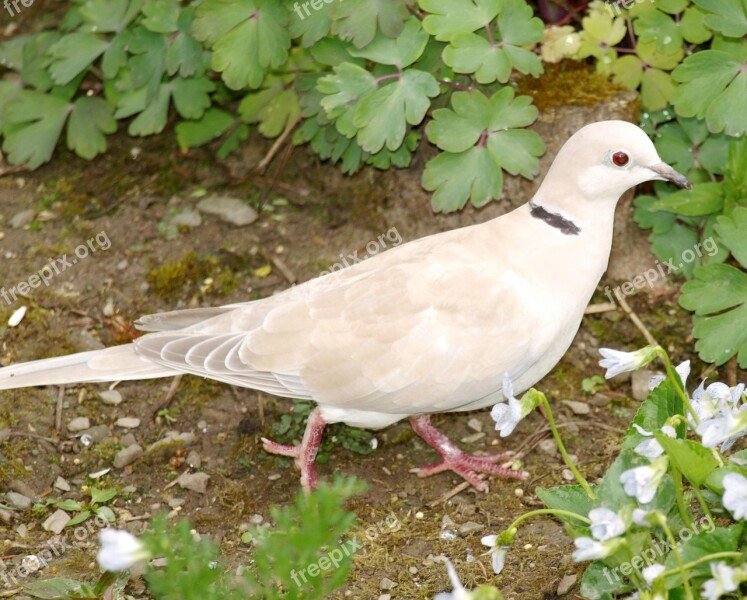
pixel 277 145
pixel 637 322
pixel 603 307
pixel 58 412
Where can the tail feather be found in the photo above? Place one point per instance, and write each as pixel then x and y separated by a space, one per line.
pixel 110 364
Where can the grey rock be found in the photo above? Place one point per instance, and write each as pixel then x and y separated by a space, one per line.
pixel 229 209
pixel 475 424
pixel 128 422
pixel 61 485
pixel 128 440
pixel 189 218
pixel 127 456
pixel 22 218
pixel 194 460
pixel 566 584
pixel 195 482
pixel 79 424
pixel 111 397
pixel 548 447
pixel 387 584
pixel 578 408
pixel 97 433
pixel 56 522
pixel 470 527
pixel 18 501
pixel 471 439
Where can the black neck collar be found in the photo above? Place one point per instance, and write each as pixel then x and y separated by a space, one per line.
pixel 553 219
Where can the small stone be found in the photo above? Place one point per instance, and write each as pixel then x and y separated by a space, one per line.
pixel 108 309
pixel 188 218
pixel 159 563
pixel 568 475
pixel 639 384
pixel 22 218
pixel 471 439
pixel 194 460
pixel 231 210
pixel 17 316
pixel 97 433
pixel 61 485
pixel 19 501
pixel 196 482
pixel 548 446
pixel 470 527
pixel 31 563
pixel 578 408
pixel 447 521
pixel 111 397
pixel 518 492
pixel 599 400
pixel 123 264
pixel 413 570
pixel 56 522
pixel 419 514
pixel 173 440
pixel 385 597
pixel 387 584
pixel 256 519
pixel 79 424
pixel 128 440
pixel 127 456
pixel 475 423
pixel 174 502
pixel 566 584
pixel 128 422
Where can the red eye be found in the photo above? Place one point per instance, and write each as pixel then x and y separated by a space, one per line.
pixel 620 159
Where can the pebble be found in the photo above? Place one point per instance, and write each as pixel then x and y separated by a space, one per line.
pixel 56 521
pixel 196 482
pixel 172 439
pixel 97 433
pixel 111 397
pixel 174 502
pixel 127 456
pixel 79 424
pixel 568 475
pixel 599 400
pixel 108 309
pixel 566 584
pixel 419 514
pixel 229 209
pixel 413 570
pixel 518 492
pixel 578 408
pixel 128 422
pixel 123 264
pixel 22 218
pixel 475 423
pixel 387 584
pixel 548 446
pixel 194 460
pixel 128 440
pixel 188 218
pixel 639 384
pixel 31 563
pixel 470 527
pixel 17 316
pixel 471 439
pixel 19 501
pixel 384 596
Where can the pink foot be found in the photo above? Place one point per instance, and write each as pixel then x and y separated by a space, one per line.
pixel 305 452
pixel 455 460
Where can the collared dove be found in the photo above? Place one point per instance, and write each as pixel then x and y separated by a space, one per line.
pixel 430 326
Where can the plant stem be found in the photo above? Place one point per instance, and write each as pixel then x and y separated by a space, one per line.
pixel 674 376
pixel 702 559
pixel 680 496
pixel 547 511
pixel 576 473
pixel 677 556
pixel 703 503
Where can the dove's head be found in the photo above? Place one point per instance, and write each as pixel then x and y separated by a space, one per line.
pixel 604 159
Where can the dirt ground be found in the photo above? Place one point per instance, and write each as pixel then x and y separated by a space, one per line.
pixel 131 195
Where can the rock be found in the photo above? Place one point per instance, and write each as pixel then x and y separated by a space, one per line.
pixel 194 460
pixel 599 400
pixel 18 501
pixel 79 424
pixel 639 384
pixel 578 408
pixel 475 423
pixel 174 502
pixel 385 597
pixel 566 584
pixel 61 485
pixel 111 397
pixel 56 522
pixel 22 218
pixel 470 527
pixel 387 584
pixel 97 433
pixel 196 482
pixel 548 447
pixel 127 456
pixel 22 487
pixel 568 475
pixel 231 210
pixel 188 218
pixel 173 439
pixel 471 439
pixel 128 422
pixel 128 440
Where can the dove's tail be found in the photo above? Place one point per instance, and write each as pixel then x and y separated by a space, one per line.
pixel 110 364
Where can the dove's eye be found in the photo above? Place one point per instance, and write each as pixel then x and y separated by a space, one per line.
pixel 620 159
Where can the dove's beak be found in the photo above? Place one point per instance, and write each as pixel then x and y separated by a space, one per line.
pixel 667 173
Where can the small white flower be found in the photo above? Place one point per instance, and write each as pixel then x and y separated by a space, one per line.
pixel 683 370
pixel 616 361
pixel 641 517
pixel 590 549
pixel 653 572
pixel 508 415
pixel 642 482
pixel 459 592
pixel 735 495
pixel 725 428
pixel 119 550
pixel 498 553
pixel 652 449
pixel 605 524
pixel 724 580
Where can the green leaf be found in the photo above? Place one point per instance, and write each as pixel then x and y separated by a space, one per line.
pixel 102 496
pixel 694 29
pixel 81 517
pixel 192 96
pixel 310 25
pixel 357 21
pixel 669 246
pixel 343 90
pixel 728 17
pixel 703 199
pixel 153 117
pixel 598 584
pixel 68 505
pixel 274 109
pixel 659 28
pixel 709 541
pixel 73 54
pixel 720 289
pixel 247 37
pixel 657 88
pixel 693 460
pixel 34 122
pixel 400 52
pixel 401 158
pixel 213 124
pixel 732 230
pixel 54 589
pixel 382 116
pixel 161 15
pixel 109 16
pixel 516 151
pixel 571 498
pixel 90 119
pixel 106 513
pixel 449 18
pixel 659 221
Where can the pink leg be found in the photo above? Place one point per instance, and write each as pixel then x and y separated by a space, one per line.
pixel 456 460
pixel 305 453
